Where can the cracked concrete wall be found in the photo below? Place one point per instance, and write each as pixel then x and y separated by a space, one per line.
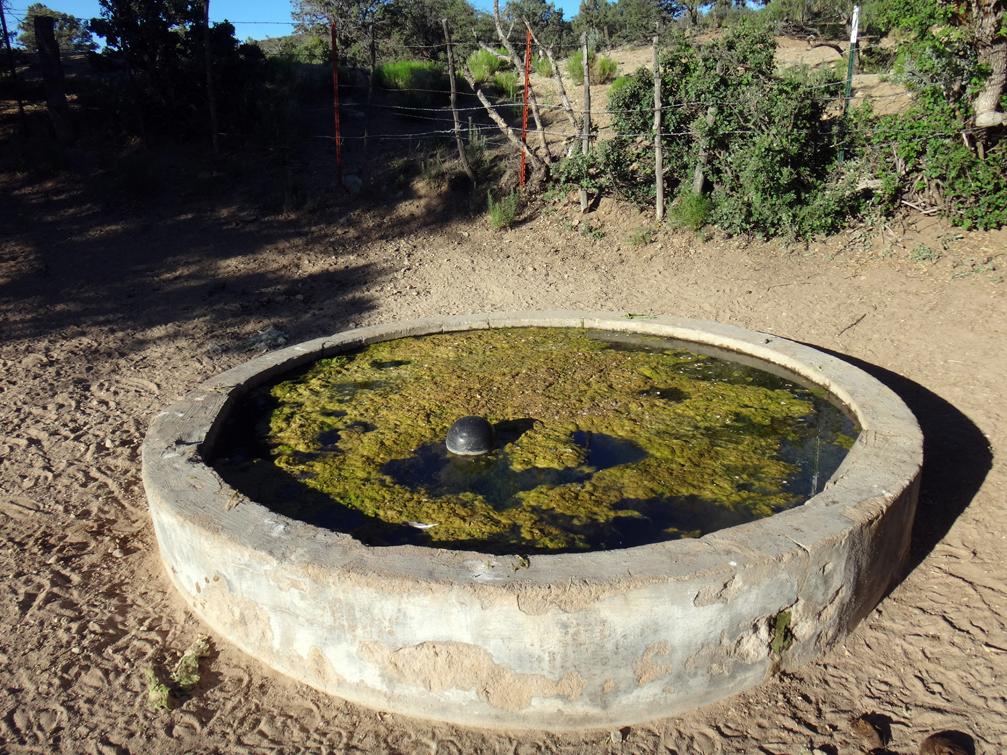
pixel 572 641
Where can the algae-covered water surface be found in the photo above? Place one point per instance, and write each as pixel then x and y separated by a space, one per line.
pixel 603 441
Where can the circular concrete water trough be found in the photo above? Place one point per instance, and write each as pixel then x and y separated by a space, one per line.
pixel 552 642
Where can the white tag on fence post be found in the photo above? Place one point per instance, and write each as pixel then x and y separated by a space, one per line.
pixel 855 25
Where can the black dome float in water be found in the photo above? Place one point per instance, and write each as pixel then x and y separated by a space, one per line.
pixel 470 436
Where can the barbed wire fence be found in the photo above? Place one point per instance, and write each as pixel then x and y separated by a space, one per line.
pixel 447 122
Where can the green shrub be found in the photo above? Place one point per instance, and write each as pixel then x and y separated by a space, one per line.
pixel 621 83
pixel 575 67
pixel 421 82
pixel 507 83
pixel 484 64
pixel 932 166
pixel 411 74
pixel 603 69
pixel 642 237
pixel 502 212
pixel 770 151
pixel 543 67
pixel 690 210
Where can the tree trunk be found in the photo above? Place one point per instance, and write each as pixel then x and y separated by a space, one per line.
pixel 211 95
pixel 52 73
pixel 991 44
pixel 703 159
pixel 462 157
pixel 506 130
pixel 13 73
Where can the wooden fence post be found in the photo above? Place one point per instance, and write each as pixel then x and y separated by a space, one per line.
pixel 523 172
pixel 335 102
pixel 454 107
pixel 585 144
pixel 370 96
pixel 211 95
pixel 658 157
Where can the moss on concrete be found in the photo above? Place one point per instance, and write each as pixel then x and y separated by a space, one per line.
pixel 711 433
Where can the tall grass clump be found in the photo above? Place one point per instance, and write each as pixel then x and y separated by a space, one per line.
pixel 507 83
pixel 502 212
pixel 603 68
pixel 606 69
pixel 690 210
pixel 421 82
pixel 484 64
pixel 543 67
pixel 411 74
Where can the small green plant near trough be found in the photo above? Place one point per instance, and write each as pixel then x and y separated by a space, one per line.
pixel 434 168
pixel 162 695
pixel 690 210
pixel 642 236
pixel 589 231
pixel 782 637
pixel 502 212
pixel 923 254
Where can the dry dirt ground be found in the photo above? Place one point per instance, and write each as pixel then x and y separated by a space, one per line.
pixel 107 315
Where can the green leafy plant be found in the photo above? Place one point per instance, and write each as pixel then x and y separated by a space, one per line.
pixel 543 67
pixel 507 83
pixel 158 693
pixel 923 254
pixel 502 212
pixel 420 81
pixel 642 236
pixel 602 69
pixel 483 64
pixel 183 679
pixel 690 210
pixel 757 141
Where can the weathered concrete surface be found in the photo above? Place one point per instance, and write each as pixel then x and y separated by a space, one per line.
pixel 573 640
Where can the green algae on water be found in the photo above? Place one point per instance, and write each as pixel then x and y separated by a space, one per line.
pixel 603 442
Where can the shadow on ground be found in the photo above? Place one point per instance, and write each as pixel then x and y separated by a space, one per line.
pixel 956 458
pixel 210 255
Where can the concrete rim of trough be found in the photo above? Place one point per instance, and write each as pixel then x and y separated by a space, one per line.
pixel 277 588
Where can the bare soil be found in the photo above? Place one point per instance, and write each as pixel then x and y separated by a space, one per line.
pixel 109 313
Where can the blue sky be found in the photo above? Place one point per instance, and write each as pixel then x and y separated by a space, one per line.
pixel 237 11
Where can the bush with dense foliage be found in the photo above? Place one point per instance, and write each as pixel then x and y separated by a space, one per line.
pixel 752 149
pixel 932 155
pixel 759 139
